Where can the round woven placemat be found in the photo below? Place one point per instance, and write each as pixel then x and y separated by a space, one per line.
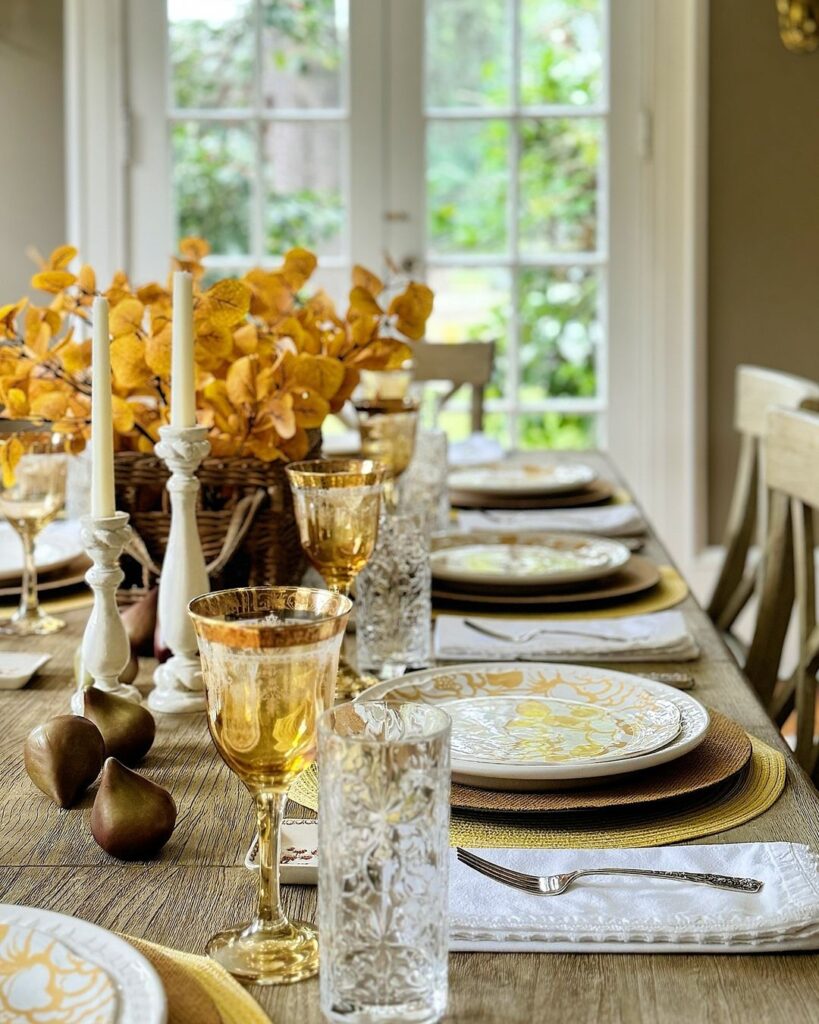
pixel 725 751
pixel 756 790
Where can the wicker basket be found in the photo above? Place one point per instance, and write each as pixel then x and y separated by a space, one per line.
pixel 245 518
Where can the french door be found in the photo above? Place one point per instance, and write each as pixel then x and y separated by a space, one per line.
pixel 466 141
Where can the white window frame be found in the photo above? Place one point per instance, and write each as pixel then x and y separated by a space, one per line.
pixel 657 156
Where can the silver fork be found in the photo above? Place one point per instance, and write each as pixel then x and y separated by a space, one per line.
pixel 530 634
pixel 554 885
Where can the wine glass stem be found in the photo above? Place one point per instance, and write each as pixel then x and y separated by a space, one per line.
pixel 28 597
pixel 269 814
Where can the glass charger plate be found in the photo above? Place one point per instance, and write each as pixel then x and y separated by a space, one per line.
pixel 600 688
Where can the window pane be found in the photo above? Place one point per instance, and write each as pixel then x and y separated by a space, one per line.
pixel 473 305
pixel 304 203
pixel 559 333
pixel 468 53
pixel 559 168
pixel 556 430
pixel 467 182
pixel 210 43
pixel 304 48
pixel 212 172
pixel 561 51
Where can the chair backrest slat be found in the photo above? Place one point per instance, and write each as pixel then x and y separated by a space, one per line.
pixel 467 363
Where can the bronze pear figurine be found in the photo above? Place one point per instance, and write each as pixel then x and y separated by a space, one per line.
pixel 127 728
pixel 63 756
pixel 132 818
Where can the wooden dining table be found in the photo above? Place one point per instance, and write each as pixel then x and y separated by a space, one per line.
pixel 199 885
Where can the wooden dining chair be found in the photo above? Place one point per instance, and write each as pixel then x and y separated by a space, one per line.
pixel 756 391
pixel 788 578
pixel 466 363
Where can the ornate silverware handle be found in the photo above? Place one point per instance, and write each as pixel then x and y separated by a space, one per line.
pixel 717 881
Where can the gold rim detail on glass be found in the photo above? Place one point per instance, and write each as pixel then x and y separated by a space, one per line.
pixel 220 616
pixel 336 473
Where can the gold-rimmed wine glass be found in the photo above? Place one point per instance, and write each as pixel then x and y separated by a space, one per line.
pixel 337 503
pixel 269 660
pixel 388 427
pixel 32 493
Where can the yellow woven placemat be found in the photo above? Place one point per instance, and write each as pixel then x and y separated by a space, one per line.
pixel 761 787
pixel 183 973
pixel 671 589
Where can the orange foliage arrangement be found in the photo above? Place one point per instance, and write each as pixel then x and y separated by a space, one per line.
pixel 271 361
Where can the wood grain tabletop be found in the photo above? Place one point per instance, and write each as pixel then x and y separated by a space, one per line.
pixel 198 884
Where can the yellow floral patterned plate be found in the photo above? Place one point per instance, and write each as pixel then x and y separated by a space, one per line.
pixel 56 969
pixel 624 698
pixel 550 560
pixel 541 731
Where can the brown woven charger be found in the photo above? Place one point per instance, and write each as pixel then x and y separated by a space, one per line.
pixel 245 517
pixel 715 763
pixel 596 493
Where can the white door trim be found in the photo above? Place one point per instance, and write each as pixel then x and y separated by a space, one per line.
pixel 657 394
pixel 96 148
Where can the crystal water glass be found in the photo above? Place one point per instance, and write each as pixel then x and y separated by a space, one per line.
pixel 424 488
pixel 394 599
pixel 32 494
pixel 269 661
pixel 383 862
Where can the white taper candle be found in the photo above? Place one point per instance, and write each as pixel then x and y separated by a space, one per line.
pixel 102 428
pixel 183 393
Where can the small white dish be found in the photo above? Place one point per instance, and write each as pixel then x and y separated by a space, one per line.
pixel 17 667
pixel 298 858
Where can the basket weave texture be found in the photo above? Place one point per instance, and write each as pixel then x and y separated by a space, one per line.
pixel 245 517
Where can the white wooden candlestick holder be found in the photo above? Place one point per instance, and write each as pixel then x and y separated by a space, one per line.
pixel 178 682
pixel 106 649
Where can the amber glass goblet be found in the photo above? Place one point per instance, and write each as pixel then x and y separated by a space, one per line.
pixel 337 504
pixel 32 493
pixel 388 427
pixel 269 661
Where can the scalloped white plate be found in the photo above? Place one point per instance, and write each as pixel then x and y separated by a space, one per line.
pixel 602 688
pixel 512 478
pixel 139 990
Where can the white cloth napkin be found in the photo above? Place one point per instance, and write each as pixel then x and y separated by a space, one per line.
pixel 476 449
pixel 606 521
pixel 660 636
pixel 625 915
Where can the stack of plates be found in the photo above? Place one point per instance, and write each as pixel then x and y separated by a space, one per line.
pixel 536 568
pixel 527 484
pixel 58 554
pixel 541 726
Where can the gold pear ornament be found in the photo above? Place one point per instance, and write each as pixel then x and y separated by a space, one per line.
pixel 127 728
pixel 132 817
pixel 63 756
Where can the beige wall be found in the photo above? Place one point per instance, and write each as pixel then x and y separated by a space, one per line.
pixel 763 247
pixel 32 190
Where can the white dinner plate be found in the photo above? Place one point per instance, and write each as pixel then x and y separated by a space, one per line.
pixel 140 995
pixel 616 692
pixel 522 477
pixel 551 559
pixel 56 546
